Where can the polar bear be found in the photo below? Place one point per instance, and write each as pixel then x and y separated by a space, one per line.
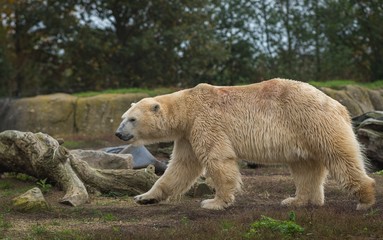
pixel 275 121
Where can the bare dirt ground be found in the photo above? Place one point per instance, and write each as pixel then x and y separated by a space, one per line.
pixel 118 217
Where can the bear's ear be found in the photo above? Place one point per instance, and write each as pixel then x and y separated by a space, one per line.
pixel 156 107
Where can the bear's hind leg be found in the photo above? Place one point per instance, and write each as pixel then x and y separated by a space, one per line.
pixel 350 174
pixel 226 179
pixel 309 177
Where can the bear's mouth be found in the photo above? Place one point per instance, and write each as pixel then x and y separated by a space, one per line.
pixel 127 137
pixel 124 137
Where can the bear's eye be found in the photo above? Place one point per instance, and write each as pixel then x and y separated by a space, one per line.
pixel 132 120
pixel 155 107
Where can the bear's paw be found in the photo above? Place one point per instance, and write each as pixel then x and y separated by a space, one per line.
pixel 294 201
pixel 214 204
pixel 144 200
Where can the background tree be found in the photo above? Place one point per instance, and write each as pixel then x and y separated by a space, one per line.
pixel 80 45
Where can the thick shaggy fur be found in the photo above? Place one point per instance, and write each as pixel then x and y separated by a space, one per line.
pixel 275 121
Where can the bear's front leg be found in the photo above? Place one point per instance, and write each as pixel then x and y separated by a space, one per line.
pixel 183 170
pixel 226 179
pixel 154 195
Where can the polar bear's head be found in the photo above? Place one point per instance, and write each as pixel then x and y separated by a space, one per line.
pixel 143 123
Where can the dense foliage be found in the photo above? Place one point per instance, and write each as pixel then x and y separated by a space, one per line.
pixel 77 45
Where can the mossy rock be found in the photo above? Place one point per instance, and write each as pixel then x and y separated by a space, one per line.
pixel 31 201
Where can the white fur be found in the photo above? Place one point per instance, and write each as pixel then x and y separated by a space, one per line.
pixel 276 121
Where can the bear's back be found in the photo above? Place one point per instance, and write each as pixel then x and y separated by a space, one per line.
pixel 270 119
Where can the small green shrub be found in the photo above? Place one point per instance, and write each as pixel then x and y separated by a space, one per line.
pixel 24 177
pixel 43 185
pixel 286 228
pixel 109 217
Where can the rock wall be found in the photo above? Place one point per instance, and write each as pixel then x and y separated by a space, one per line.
pixel 358 100
pixel 62 114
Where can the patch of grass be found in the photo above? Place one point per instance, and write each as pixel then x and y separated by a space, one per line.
pixel 73 144
pixel 109 217
pixel 379 172
pixel 39 229
pixel 40 232
pixel 87 142
pixel 286 228
pixel 19 176
pixel 150 92
pixel 12 188
pixel 337 84
pixel 227 225
pixel 185 220
pixel 5 185
pixel 4 224
pixel 106 217
pixel 83 144
pixel 24 177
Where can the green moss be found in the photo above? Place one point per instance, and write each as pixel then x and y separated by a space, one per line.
pixel 25 205
pixel 337 84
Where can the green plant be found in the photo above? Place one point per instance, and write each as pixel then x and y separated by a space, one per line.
pixel 286 228
pixel 109 217
pixel 43 185
pixel 226 225
pixel 185 220
pixel 39 229
pixel 379 172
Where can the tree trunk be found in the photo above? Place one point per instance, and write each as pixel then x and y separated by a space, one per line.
pixel 41 156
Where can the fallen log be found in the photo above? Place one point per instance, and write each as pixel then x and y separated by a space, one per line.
pixel 41 156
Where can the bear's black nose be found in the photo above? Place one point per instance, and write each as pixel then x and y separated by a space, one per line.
pixel 119 135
